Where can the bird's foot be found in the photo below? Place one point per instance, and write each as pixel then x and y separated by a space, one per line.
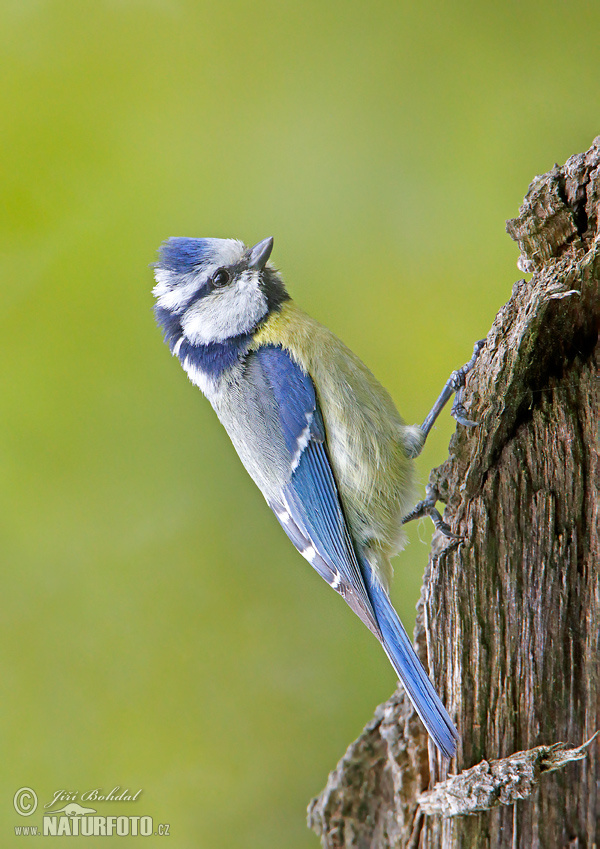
pixel 457 381
pixel 427 507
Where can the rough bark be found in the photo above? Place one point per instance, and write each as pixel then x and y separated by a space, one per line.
pixel 509 617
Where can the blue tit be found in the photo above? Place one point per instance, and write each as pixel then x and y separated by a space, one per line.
pixel 317 433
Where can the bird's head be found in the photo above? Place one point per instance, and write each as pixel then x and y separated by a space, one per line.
pixel 213 290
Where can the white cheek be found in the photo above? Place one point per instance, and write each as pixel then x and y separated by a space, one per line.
pixel 172 290
pixel 226 312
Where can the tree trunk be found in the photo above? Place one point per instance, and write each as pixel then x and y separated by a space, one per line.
pixel 510 613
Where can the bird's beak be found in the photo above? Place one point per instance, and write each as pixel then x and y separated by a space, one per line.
pixel 260 253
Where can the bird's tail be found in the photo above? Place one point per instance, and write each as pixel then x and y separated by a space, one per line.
pixel 415 680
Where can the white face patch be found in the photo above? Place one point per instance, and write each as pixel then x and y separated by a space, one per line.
pixel 174 289
pixel 227 312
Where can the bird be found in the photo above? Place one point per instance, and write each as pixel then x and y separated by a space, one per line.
pixel 319 435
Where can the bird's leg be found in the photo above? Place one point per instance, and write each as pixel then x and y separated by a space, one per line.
pixel 455 383
pixel 427 508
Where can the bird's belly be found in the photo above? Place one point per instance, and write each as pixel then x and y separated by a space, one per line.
pixel 375 478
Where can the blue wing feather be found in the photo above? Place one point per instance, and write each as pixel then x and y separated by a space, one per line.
pixel 308 507
pixel 415 680
pixel 293 391
pixel 310 511
pixel 313 501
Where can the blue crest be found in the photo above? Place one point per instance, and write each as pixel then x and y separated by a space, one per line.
pixel 182 255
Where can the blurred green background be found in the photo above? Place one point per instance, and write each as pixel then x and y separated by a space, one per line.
pixel 158 629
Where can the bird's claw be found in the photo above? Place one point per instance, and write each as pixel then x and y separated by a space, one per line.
pixel 458 380
pixel 427 507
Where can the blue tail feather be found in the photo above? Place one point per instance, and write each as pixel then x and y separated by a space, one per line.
pixel 415 680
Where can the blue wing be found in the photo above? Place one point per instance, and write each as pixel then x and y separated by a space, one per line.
pixel 310 511
pixel 308 507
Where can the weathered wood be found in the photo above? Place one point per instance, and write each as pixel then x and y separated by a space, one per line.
pixel 510 614
pixel 491 784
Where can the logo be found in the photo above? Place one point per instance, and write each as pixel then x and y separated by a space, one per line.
pixel 73 810
pixel 76 819
pixel 25 801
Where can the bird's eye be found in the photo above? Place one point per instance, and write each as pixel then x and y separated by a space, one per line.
pixel 220 278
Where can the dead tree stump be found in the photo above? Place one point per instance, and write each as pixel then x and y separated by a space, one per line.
pixel 509 618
